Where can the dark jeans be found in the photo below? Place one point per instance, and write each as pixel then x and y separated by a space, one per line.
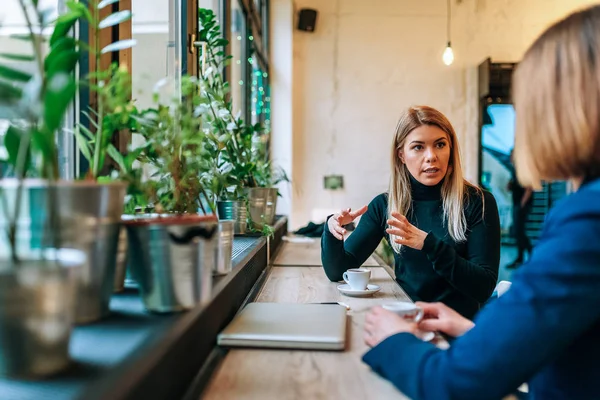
pixel 520 217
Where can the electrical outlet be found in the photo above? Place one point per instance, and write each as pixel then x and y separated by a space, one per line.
pixel 333 182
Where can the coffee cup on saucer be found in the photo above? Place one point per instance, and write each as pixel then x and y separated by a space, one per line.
pixel 357 278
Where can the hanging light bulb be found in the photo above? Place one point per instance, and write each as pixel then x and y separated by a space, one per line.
pixel 448 56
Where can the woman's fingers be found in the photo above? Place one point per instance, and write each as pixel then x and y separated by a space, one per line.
pixel 433 309
pixel 359 212
pixel 398 223
pixel 433 324
pixel 339 229
pixel 399 217
pixel 397 232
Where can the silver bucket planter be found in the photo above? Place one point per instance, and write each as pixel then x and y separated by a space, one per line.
pixel 37 307
pixel 262 203
pixel 121 262
pixel 234 210
pixel 224 250
pixel 90 221
pixel 172 259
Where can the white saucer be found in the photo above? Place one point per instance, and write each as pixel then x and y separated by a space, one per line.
pixel 371 290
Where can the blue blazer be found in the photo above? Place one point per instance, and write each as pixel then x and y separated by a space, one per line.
pixel 545 330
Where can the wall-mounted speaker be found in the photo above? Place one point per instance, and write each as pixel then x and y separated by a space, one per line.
pixel 307 19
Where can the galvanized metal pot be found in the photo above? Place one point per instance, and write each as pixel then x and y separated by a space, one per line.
pixel 37 307
pixel 121 262
pixel 224 249
pixel 172 259
pixel 89 216
pixel 262 203
pixel 234 210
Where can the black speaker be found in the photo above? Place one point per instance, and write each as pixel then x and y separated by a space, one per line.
pixel 307 20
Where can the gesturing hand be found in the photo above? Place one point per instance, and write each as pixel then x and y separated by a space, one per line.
pixel 406 233
pixel 335 223
pixel 439 317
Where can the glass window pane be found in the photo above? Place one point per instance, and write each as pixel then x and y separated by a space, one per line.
pixel 154 49
pixel 13 22
pixel 238 62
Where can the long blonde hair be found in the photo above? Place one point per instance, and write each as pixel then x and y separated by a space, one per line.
pixel 454 186
pixel 557 102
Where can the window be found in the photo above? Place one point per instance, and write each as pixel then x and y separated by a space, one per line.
pixel 239 62
pixel 14 23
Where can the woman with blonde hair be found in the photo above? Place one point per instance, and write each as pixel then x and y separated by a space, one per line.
pixel 545 328
pixel 444 231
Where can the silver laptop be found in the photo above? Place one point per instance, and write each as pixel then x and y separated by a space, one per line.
pixel 289 326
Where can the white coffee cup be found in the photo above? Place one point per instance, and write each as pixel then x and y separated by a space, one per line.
pixel 411 312
pixel 405 309
pixel 357 278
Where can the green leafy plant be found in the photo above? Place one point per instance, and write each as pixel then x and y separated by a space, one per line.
pixel 112 86
pixel 39 102
pixel 175 153
pixel 229 137
pixel 238 163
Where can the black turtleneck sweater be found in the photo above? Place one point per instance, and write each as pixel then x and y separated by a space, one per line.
pixel 461 275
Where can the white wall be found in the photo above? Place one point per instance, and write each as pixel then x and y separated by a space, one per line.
pixel 367 61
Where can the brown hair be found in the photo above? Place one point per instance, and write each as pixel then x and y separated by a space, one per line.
pixel 453 188
pixel 557 102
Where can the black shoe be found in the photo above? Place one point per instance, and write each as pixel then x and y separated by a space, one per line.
pixel 514 264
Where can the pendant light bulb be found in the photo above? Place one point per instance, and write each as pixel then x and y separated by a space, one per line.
pixel 448 56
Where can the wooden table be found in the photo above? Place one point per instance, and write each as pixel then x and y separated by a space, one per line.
pixel 284 374
pixel 307 253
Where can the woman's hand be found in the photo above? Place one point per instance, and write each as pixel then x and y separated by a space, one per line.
pixel 441 318
pixel 337 221
pixel 406 233
pixel 381 324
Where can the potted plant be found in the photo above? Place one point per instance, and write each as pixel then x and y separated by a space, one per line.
pixel 172 251
pixel 96 202
pixel 39 277
pixel 240 172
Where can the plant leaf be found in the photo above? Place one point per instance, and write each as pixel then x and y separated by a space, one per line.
pixel 26 37
pixel 43 142
pixel 118 157
pixel 81 8
pixel 63 25
pixel 59 94
pixel 9 92
pixel 115 19
pixel 64 44
pixel 10 74
pixel 105 3
pixel 90 119
pixel 120 45
pixel 88 133
pixel 17 57
pixel 83 144
pixel 12 142
pixel 64 61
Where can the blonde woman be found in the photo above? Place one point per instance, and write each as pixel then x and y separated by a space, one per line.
pixel 545 329
pixel 445 232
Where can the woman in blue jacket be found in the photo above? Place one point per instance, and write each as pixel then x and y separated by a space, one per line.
pixel 546 329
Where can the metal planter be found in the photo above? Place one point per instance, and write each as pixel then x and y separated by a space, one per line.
pixel 224 249
pixel 90 221
pixel 172 259
pixel 262 204
pixel 121 262
pixel 37 307
pixel 234 210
